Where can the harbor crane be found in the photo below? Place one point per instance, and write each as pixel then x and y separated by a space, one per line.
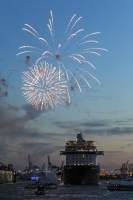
pixel 124 168
pixel 31 166
pixel 50 165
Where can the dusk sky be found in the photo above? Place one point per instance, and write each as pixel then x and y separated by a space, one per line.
pixel 103 113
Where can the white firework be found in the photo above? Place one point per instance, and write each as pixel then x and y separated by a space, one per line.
pixel 65 51
pixel 42 86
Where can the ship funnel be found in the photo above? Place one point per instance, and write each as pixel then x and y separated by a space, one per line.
pixel 80 137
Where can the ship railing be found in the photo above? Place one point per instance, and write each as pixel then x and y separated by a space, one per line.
pixel 88 150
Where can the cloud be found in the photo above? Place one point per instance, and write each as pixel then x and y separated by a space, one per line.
pixel 107 127
pixel 112 153
pixel 97 127
pixel 20 127
pixel 31 113
pixel 14 108
pixel 128 145
pixel 120 131
pixel 40 148
pixel 19 139
pixel 94 124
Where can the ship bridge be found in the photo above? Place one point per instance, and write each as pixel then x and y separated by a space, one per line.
pixel 76 145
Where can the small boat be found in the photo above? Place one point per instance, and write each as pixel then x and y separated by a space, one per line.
pixel 68 185
pixel 128 178
pixel 121 187
pixel 50 186
pixel 39 190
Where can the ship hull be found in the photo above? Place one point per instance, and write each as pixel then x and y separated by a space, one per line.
pixel 81 175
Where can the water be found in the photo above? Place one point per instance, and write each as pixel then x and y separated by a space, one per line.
pixel 16 191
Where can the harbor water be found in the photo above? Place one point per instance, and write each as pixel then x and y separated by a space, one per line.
pixel 16 191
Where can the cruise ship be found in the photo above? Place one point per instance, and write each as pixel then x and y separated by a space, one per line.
pixel 81 162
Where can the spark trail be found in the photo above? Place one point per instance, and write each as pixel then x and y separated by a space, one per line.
pixel 67 54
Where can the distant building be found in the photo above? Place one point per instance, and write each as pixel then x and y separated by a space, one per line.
pixel 7 174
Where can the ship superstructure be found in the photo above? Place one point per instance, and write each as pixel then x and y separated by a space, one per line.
pixel 81 161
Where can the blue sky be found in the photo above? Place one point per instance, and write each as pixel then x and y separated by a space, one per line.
pixel 103 113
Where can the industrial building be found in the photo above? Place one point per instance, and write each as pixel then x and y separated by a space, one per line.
pixel 7 174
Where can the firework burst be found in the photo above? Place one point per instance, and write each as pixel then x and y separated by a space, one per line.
pixel 42 86
pixel 67 53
